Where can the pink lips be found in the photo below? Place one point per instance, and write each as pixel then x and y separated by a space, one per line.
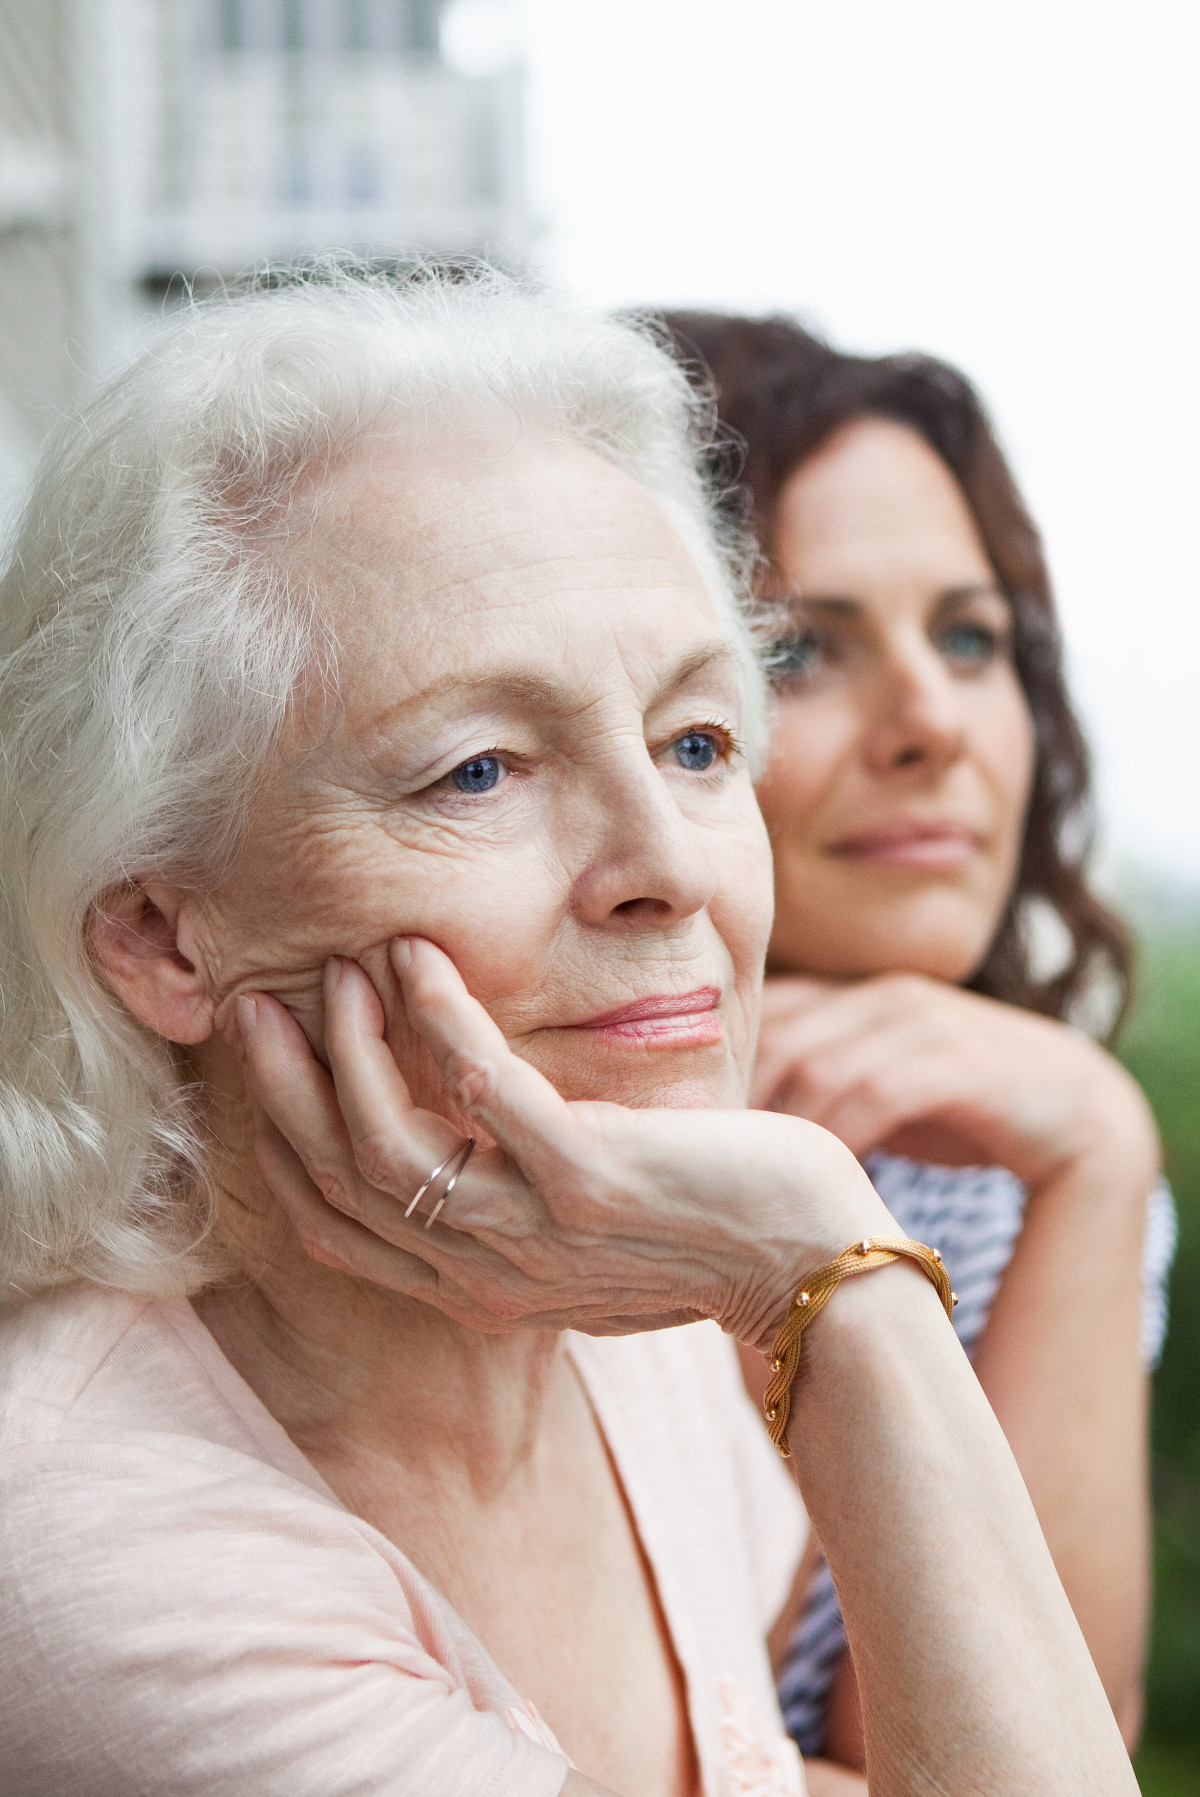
pixel 931 848
pixel 668 1020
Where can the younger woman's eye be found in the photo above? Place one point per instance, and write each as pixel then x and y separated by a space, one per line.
pixel 696 751
pixel 479 774
pixel 972 644
pixel 795 657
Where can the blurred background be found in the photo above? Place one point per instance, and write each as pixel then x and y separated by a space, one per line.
pixel 1013 188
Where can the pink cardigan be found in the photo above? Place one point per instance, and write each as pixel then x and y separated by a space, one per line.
pixel 186 1610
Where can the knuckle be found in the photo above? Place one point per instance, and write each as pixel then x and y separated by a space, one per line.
pixel 328 1184
pixel 471 1082
pixel 379 1160
pixel 335 1192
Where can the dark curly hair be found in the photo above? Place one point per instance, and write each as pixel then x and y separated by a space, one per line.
pixel 780 393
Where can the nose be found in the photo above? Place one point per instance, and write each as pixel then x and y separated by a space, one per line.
pixel 918 712
pixel 645 865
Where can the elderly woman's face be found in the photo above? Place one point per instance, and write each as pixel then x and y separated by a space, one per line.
pixel 534 763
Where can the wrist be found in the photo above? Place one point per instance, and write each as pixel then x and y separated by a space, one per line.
pixel 756 1310
pixel 871 1254
pixel 1116 1148
pixel 885 1329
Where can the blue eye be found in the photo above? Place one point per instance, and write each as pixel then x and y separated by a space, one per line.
pixel 696 751
pixel 479 774
pixel 968 642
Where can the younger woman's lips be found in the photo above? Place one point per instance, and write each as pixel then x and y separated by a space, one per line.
pixel 922 847
pixel 666 1020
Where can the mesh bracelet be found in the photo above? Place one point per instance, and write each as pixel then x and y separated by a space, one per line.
pixel 811 1298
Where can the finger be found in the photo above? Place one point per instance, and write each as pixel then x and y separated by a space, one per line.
pixel 326 1234
pixel 865 1088
pixel 485 1079
pixel 394 1145
pixel 290 1086
pixel 491 1204
pixel 460 1276
pixel 787 1045
pixel 789 1040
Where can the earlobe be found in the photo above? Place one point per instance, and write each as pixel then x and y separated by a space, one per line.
pixel 133 933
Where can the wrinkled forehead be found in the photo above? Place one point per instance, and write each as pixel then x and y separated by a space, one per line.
pixel 442 565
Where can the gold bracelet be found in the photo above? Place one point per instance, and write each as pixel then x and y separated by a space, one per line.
pixel 815 1293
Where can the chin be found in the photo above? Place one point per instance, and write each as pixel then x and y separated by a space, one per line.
pixel 690 1079
pixel 945 948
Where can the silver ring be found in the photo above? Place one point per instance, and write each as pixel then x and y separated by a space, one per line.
pixel 458 1157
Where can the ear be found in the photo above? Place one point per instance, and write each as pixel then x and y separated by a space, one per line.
pixel 134 936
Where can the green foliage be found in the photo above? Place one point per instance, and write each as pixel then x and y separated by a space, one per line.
pixel 1162 1773
pixel 1162 1049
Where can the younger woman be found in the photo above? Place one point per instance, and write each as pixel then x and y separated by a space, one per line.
pixel 935 941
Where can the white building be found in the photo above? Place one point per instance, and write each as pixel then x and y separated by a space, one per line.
pixel 143 140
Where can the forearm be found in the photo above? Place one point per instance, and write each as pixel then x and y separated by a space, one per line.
pixel 1060 1363
pixel 974 1675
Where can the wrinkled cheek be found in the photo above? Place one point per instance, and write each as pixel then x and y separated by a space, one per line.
pixel 415 1060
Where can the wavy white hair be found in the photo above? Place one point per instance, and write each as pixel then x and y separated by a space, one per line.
pixel 151 641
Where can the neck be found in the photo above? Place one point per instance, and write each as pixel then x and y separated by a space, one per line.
pixel 350 1368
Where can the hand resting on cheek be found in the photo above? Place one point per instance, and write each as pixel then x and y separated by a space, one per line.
pixel 576 1217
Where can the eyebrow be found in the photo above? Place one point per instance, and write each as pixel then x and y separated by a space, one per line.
pixel 705 656
pixel 842 606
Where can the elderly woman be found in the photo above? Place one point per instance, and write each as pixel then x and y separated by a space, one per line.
pixel 384 905
pixel 928 805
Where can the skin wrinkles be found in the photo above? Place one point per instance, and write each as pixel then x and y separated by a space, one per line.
pixel 531 708
pixel 429 566
pixel 584 789
pixel 602 871
pixel 432 1394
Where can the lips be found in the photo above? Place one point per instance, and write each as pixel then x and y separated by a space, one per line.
pixel 929 846
pixel 666 1020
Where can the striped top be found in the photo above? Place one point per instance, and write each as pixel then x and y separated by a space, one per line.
pixel 973 1216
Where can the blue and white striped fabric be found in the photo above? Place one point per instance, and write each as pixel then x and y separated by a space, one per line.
pixel 973 1216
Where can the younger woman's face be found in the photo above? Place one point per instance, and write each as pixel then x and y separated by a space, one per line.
pixel 902 747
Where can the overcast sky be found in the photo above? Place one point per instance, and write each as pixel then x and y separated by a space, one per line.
pixel 1011 186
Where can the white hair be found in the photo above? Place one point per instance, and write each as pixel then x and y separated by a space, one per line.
pixel 151 642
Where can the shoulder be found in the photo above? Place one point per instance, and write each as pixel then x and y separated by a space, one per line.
pixel 125 1439
pixel 86 1364
pixel 51 1348
pixel 183 1605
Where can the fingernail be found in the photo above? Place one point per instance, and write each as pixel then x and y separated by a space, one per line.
pixel 401 952
pixel 333 973
pixel 247 1014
